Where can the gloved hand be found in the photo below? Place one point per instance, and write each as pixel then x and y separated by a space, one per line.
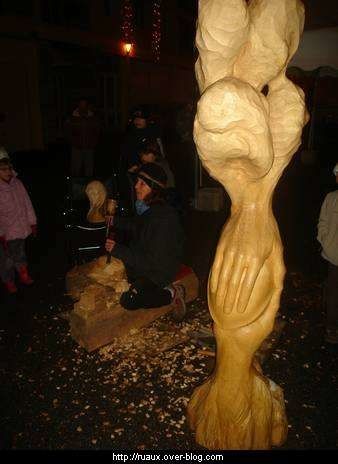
pixel 3 242
pixel 34 228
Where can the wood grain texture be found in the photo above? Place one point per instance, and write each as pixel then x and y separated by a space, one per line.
pixel 97 196
pixel 245 139
pixel 98 317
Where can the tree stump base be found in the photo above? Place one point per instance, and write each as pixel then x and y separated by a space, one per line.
pixel 98 317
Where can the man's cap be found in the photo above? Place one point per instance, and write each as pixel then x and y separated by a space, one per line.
pixel 153 175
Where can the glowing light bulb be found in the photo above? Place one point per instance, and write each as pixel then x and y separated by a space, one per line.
pixel 127 48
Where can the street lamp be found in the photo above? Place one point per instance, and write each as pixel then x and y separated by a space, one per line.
pixel 126 52
pixel 127 47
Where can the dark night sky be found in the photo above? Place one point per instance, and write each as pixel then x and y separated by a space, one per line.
pixel 320 13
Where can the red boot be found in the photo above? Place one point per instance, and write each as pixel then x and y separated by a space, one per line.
pixel 24 277
pixel 10 286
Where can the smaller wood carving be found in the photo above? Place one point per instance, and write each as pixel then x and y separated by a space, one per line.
pixel 97 196
pixel 97 272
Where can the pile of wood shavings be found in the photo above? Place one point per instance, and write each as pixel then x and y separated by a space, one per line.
pixel 163 363
pixel 162 335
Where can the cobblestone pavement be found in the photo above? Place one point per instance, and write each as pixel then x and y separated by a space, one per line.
pixel 57 396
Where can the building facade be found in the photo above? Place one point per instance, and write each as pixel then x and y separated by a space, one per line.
pixel 52 52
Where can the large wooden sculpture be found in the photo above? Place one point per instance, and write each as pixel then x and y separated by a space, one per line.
pixel 248 125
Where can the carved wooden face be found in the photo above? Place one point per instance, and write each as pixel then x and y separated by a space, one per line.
pixel 96 193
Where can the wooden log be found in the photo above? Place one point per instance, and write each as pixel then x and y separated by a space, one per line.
pixel 98 317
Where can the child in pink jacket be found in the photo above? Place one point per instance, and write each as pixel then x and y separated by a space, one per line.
pixel 17 221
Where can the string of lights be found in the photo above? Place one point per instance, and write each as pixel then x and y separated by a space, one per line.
pixel 156 29
pixel 127 25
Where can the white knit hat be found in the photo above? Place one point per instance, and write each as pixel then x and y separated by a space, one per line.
pixel 3 153
pixel 335 169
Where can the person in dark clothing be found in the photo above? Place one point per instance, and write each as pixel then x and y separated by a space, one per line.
pixel 154 254
pixel 150 153
pixel 83 132
pixel 140 131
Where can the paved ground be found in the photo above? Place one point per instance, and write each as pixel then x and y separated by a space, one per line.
pixel 55 395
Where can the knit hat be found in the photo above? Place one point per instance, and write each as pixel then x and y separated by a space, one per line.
pixel 3 153
pixel 335 169
pixel 153 175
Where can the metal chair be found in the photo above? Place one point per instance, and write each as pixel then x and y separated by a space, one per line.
pixel 84 241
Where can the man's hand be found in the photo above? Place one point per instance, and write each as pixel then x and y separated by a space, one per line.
pixel 110 244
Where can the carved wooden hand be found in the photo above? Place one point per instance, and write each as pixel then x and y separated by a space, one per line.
pixel 239 260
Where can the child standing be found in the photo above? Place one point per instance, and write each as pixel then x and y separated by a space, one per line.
pixel 150 153
pixel 328 238
pixel 17 222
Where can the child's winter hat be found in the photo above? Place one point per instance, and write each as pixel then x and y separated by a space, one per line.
pixel 3 153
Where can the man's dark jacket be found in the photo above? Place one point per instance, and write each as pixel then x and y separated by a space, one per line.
pixel 156 248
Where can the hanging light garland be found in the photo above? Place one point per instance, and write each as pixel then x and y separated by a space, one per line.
pixel 127 25
pixel 156 30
